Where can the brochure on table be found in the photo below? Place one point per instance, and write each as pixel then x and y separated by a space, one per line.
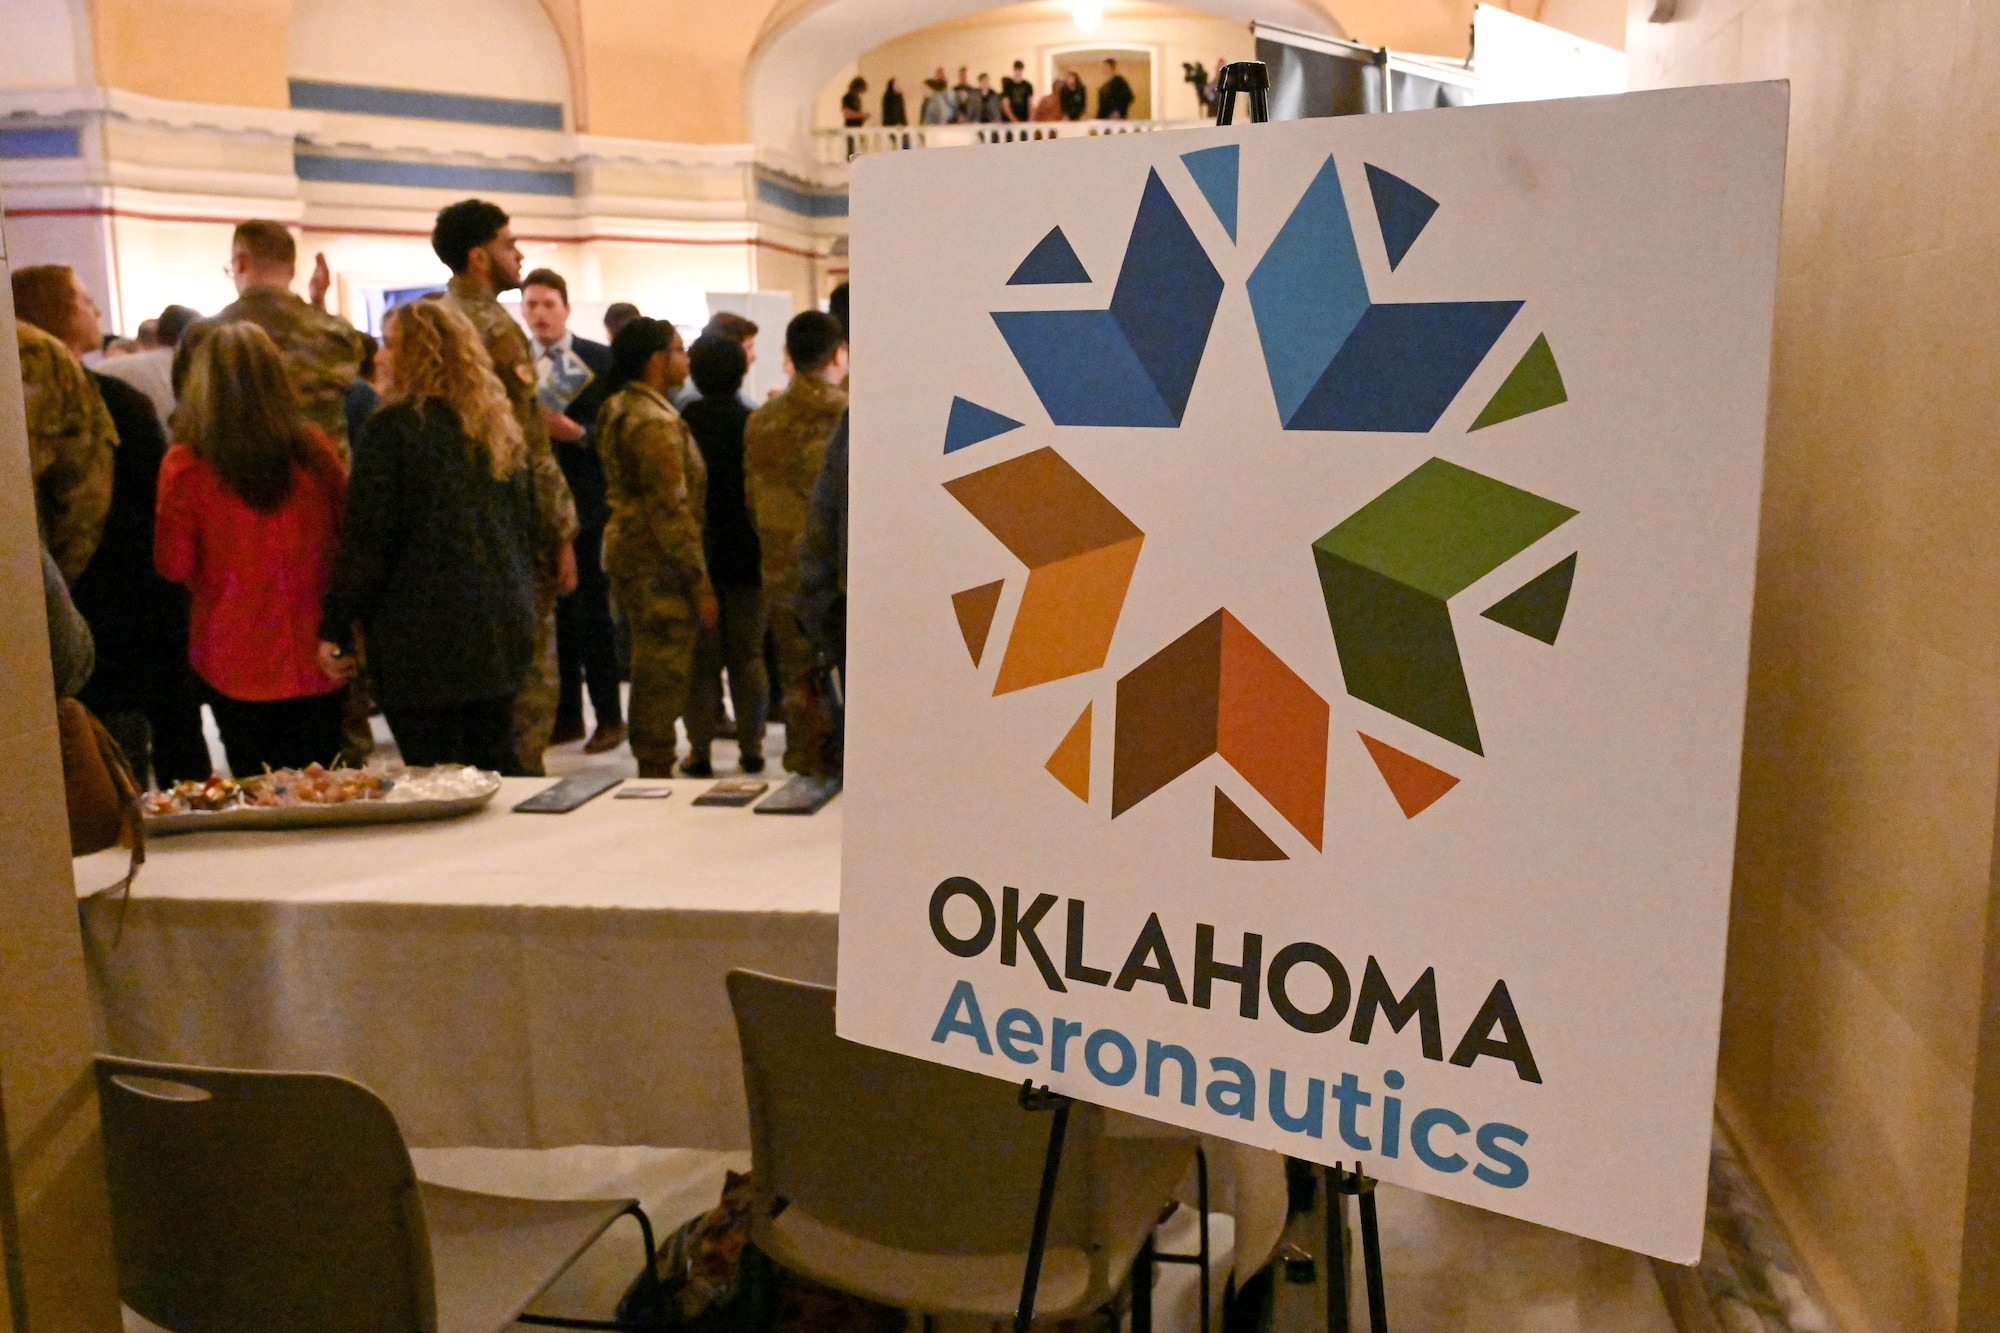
pixel 1299 594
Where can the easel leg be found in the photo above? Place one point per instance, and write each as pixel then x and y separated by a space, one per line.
pixel 1371 1251
pixel 1336 1251
pixel 1143 1269
pixel 1031 1277
pixel 1201 1198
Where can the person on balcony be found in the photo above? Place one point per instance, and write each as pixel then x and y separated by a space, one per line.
pixel 894 115
pixel 1073 97
pixel 853 111
pixel 964 99
pixel 1114 95
pixel 938 108
pixel 1017 95
pixel 986 103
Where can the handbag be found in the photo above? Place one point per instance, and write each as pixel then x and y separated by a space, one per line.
pixel 100 790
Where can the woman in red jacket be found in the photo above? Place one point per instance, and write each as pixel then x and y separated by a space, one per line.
pixel 249 519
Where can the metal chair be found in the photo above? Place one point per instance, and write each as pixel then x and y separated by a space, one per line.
pixel 246 1200
pixel 915 1185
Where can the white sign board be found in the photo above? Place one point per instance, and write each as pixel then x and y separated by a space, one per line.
pixel 1300 584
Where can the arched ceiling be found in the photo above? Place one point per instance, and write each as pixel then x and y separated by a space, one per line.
pixel 806 42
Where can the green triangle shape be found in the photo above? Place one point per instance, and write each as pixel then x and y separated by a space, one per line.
pixel 1532 385
pixel 1536 607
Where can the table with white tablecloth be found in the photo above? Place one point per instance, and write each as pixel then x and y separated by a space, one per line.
pixel 502 979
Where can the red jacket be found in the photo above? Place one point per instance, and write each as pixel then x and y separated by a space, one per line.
pixel 256 579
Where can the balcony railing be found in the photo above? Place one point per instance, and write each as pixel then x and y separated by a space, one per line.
pixel 837 146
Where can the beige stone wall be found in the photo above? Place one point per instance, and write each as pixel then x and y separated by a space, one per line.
pixel 54 1221
pixel 1850 1031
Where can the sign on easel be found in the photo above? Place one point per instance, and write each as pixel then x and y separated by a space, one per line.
pixel 1300 583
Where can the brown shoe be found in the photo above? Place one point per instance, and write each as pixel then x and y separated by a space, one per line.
pixel 606 738
pixel 656 771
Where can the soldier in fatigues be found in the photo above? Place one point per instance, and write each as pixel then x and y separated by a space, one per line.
pixel 70 443
pixel 782 449
pixel 657 485
pixel 476 242
pixel 322 352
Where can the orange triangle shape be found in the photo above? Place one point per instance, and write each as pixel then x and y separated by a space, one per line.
pixel 1237 837
pixel 975 608
pixel 1414 783
pixel 1070 764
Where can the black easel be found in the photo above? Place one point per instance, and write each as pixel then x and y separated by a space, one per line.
pixel 1243 76
pixel 1031 1276
pixel 1340 1184
pixel 1035 1099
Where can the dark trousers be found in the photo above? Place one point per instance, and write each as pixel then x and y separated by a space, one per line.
pixel 586 642
pixel 278 733
pixel 736 644
pixel 480 733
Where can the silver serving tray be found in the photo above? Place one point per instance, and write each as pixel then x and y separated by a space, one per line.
pixel 321 816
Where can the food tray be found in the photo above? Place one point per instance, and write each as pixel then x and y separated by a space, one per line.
pixel 321 816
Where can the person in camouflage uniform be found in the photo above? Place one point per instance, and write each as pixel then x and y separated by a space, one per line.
pixel 322 352
pixel 783 447
pixel 657 484
pixel 70 443
pixel 475 240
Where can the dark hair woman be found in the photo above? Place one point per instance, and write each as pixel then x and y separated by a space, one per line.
pixel 894 112
pixel 657 484
pixel 436 567
pixel 248 518
pixel 853 112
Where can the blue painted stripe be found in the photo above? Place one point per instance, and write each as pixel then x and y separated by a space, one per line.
pixel 804 203
pixel 47 141
pixel 362 100
pixel 432 175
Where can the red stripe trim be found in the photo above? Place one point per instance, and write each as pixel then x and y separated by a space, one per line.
pixel 104 212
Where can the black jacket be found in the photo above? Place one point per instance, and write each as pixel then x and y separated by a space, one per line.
pixel 139 620
pixel 734 558
pixel 436 563
pixel 578 458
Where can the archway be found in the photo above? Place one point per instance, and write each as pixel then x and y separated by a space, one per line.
pixel 812 42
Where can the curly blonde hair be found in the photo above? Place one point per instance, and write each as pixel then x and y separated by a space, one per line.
pixel 436 353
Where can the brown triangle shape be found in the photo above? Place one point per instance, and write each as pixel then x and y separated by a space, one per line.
pixel 1237 837
pixel 1070 764
pixel 975 608
pixel 1415 784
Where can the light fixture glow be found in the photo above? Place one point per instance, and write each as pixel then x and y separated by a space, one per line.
pixel 1086 14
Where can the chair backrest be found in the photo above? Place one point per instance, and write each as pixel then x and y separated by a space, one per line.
pixel 263 1201
pixel 892 1149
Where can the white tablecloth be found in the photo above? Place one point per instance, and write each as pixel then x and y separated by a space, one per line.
pixel 502 980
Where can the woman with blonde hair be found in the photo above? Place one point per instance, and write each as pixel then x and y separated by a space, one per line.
pixel 436 566
pixel 248 517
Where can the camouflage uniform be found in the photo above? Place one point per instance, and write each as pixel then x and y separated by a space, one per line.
pixel 70 443
pixel 321 351
pixel 657 483
pixel 555 514
pixel 783 447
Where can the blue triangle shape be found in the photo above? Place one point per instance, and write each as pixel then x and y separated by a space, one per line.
pixel 1214 170
pixel 1401 208
pixel 970 423
pixel 1050 261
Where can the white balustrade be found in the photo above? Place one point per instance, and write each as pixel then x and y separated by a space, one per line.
pixel 837 146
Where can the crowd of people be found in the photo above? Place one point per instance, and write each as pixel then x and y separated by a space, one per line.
pixel 973 101
pixel 466 526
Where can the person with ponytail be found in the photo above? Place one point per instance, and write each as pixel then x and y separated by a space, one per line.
pixel 436 572
pixel 248 518
pixel 657 484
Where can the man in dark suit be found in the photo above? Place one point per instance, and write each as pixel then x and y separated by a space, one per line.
pixel 586 644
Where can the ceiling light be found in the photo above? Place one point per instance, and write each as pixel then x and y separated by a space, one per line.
pixel 1086 14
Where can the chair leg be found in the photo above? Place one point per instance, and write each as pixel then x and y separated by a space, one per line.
pixel 652 1298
